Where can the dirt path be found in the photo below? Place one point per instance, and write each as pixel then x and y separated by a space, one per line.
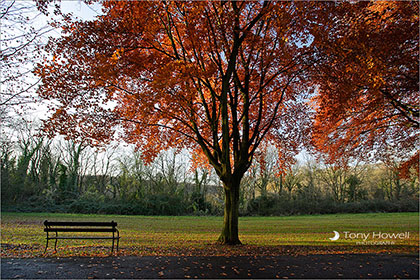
pixel 312 266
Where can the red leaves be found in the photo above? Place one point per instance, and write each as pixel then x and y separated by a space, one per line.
pixel 368 80
pixel 409 167
pixel 167 65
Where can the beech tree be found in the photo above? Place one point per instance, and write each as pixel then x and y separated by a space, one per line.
pixel 218 78
pixel 367 71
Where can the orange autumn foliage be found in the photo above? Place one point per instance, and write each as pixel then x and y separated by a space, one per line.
pixel 220 77
pixel 367 73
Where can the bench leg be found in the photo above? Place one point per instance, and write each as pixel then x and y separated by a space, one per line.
pixel 118 239
pixel 56 240
pixel 46 246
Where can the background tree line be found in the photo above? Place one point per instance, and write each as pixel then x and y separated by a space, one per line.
pixel 40 174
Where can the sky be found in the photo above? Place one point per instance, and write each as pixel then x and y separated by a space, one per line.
pixel 37 20
pixel 81 10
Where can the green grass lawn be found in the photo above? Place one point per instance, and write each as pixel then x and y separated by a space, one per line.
pixel 23 236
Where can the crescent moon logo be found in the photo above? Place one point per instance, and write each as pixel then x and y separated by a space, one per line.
pixel 336 236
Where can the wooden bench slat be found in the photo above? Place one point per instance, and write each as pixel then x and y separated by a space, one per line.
pixel 80 230
pixel 80 237
pixel 92 224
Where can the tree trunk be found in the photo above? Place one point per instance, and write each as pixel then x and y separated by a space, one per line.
pixel 231 214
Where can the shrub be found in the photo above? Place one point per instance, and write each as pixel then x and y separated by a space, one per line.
pixel 271 205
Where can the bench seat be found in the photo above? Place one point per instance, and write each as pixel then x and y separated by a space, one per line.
pixel 60 227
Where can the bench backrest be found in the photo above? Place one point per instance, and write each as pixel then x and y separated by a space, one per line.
pixel 81 226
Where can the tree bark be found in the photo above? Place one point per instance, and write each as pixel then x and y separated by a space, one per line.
pixel 229 233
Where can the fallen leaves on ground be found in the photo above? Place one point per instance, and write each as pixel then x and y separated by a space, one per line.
pixel 27 251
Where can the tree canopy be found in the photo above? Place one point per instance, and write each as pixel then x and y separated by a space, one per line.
pixel 224 79
pixel 218 78
pixel 368 77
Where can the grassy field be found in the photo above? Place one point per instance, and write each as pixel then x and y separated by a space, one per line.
pixel 23 236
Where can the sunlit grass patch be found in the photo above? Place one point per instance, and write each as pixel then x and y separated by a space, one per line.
pixel 23 235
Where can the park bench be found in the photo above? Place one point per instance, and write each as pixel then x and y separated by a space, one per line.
pixel 63 227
